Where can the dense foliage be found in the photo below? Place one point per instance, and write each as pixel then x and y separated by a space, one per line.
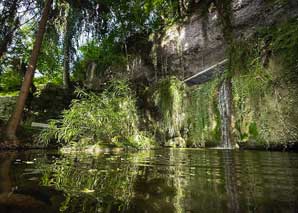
pixel 106 118
pixel 105 40
pixel 203 115
pixel 169 100
pixel 78 33
pixel 10 81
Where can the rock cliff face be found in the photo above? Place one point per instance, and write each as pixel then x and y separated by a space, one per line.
pixel 260 109
pixel 198 42
pixel 187 48
pixel 261 74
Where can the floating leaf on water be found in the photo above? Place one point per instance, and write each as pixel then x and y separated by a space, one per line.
pixel 28 162
pixel 111 158
pixel 33 179
pixel 88 190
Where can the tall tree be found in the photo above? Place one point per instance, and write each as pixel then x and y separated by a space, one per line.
pixel 15 119
pixel 67 46
pixel 66 58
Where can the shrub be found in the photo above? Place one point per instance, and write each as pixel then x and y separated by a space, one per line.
pixel 109 118
pixel 10 81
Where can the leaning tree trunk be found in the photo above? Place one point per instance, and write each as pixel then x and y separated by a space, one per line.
pixel 15 119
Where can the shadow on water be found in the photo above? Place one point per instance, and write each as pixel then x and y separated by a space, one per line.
pixel 166 180
pixel 21 200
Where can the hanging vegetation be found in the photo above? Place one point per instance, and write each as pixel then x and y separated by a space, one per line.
pixel 265 89
pixel 203 115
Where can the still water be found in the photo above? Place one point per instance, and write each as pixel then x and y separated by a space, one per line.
pixel 166 180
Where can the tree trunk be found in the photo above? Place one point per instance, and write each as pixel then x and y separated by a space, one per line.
pixel 66 50
pixel 15 119
pixel 66 78
pixel 4 45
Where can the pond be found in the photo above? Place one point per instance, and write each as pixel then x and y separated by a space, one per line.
pixel 162 180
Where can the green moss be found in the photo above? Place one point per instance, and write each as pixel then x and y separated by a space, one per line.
pixel 265 88
pixel 168 98
pixel 203 115
pixel 188 112
pixel 284 44
pixel 224 10
pixel 253 130
pixel 242 54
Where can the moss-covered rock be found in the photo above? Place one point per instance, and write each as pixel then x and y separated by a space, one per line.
pixel 168 109
pixel 184 116
pixel 203 115
pixel 176 142
pixel 265 88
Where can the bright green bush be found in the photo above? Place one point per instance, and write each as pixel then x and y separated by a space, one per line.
pixel 109 118
pixel 10 81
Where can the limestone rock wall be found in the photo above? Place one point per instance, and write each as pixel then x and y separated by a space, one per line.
pixel 264 97
pixel 187 48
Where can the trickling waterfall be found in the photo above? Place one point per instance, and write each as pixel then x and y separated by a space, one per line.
pixel 225 108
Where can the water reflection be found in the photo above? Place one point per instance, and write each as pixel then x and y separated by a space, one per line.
pixel 24 199
pixel 6 160
pixel 94 184
pixel 167 180
pixel 230 173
